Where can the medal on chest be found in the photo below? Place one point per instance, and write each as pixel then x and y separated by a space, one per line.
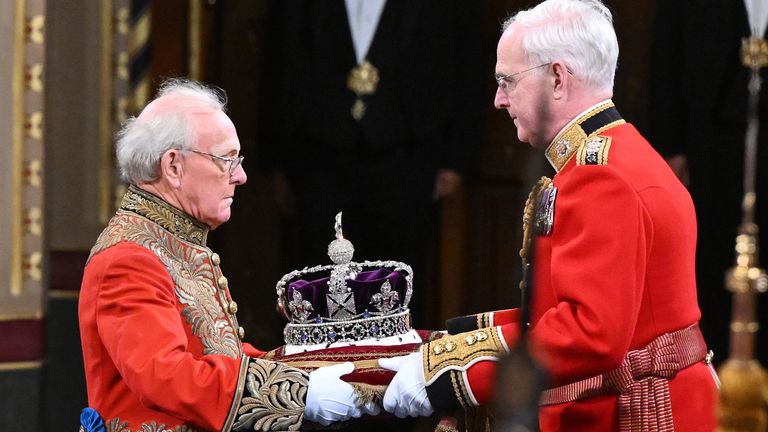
pixel 539 213
pixel 545 215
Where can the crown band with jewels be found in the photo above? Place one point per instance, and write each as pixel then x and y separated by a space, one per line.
pixel 349 301
pixel 348 331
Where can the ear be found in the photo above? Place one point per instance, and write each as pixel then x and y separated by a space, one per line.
pixel 562 79
pixel 172 168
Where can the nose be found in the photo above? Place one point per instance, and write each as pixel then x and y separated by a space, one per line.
pixel 239 177
pixel 501 101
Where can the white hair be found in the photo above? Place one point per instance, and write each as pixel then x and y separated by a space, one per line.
pixel 578 32
pixel 142 140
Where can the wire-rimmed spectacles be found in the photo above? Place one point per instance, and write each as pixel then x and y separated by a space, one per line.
pixel 508 82
pixel 233 162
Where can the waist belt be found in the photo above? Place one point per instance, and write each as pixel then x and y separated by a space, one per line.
pixel 642 381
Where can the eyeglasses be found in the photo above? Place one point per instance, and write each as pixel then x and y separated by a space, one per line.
pixel 233 162
pixel 507 83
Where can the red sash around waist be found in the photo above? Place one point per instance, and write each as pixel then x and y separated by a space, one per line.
pixel 642 381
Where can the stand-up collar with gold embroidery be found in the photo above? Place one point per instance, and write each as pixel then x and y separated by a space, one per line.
pixel 591 122
pixel 160 212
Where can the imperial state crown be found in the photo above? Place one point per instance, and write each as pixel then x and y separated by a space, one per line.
pixel 349 311
pixel 346 301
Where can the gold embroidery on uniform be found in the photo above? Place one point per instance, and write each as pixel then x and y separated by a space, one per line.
pixel 277 395
pixel 565 145
pixel 459 350
pixel 594 151
pixel 573 137
pixel 239 388
pixel 608 126
pixel 158 211
pixel 191 270
pixel 115 425
pixel 458 388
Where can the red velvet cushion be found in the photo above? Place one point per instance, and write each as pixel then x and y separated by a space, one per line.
pixel 367 369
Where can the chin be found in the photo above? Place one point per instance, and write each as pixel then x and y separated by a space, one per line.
pixel 224 217
pixel 217 221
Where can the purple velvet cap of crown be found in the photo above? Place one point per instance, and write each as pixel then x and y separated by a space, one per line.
pixel 364 286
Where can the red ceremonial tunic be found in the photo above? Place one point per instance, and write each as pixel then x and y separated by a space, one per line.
pixel 161 344
pixel 615 272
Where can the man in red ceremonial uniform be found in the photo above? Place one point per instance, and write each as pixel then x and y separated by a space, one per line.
pixel 614 318
pixel 162 347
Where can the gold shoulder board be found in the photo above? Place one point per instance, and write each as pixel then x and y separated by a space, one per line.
pixel 594 151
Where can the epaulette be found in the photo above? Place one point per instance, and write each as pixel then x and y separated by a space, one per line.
pixel 594 151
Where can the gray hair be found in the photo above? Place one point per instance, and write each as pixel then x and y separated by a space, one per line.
pixel 142 140
pixel 579 32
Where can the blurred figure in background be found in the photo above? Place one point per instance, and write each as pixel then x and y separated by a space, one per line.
pixel 373 108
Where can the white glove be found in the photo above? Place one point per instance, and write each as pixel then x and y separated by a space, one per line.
pixel 406 395
pixel 329 399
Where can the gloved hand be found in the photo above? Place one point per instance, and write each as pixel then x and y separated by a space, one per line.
pixel 406 395
pixel 329 399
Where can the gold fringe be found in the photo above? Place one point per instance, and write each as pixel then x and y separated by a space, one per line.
pixel 367 393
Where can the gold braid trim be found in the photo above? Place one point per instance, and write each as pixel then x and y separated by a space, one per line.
pixel 487 319
pixel 594 151
pixel 573 136
pixel 483 320
pixel 565 145
pixel 534 197
pixel 457 351
pixel 480 321
pixel 461 391
pixel 276 397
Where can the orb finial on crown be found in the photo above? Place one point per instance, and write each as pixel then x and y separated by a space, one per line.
pixel 340 250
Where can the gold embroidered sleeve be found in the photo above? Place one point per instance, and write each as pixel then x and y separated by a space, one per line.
pixel 270 396
pixel 458 352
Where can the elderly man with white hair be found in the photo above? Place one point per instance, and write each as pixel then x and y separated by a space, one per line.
pixel 162 346
pixel 613 314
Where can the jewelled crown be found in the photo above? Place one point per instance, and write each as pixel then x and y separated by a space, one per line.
pixel 345 301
